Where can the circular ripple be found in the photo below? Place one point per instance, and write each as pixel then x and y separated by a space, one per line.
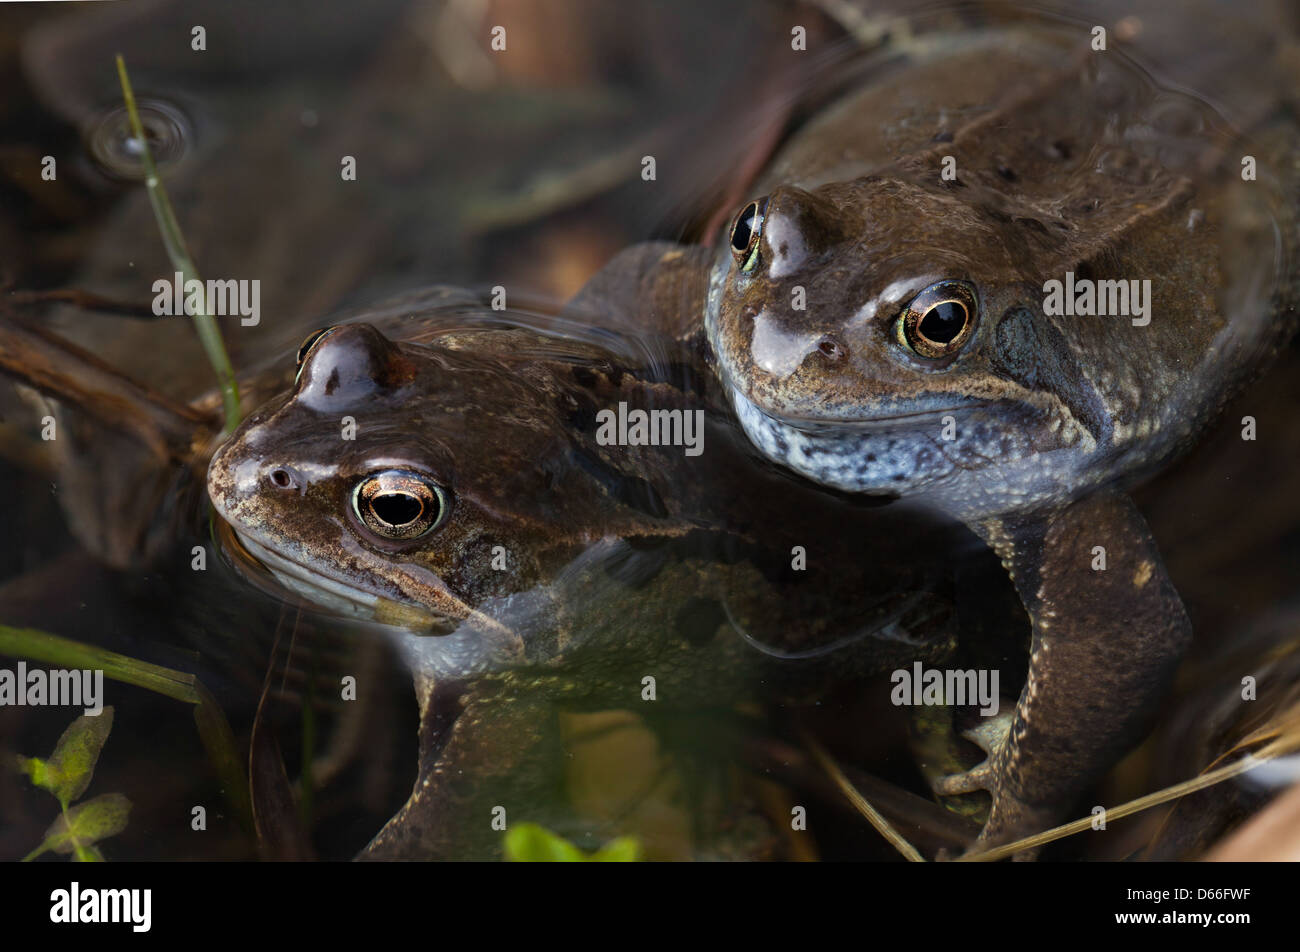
pixel 117 151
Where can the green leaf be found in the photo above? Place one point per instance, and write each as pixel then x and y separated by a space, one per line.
pixel 88 823
pixel 89 854
pixel 72 765
pixel 625 849
pixel 530 843
pixel 36 769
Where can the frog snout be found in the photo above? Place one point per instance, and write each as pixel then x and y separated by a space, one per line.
pixel 236 477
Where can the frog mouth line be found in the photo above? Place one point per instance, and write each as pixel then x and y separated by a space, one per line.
pixel 811 424
pixel 326 591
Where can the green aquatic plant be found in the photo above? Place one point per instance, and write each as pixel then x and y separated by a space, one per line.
pixel 66 774
pixel 213 728
pixel 174 241
pixel 531 843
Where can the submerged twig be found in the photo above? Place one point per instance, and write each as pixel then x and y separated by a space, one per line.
pixel 883 826
pixel 85 300
pixel 60 369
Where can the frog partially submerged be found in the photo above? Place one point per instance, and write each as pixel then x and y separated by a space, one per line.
pixel 449 479
pixel 884 322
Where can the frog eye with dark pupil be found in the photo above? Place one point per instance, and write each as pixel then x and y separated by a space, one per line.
pixel 396 504
pixel 943 322
pixel 745 233
pixel 939 320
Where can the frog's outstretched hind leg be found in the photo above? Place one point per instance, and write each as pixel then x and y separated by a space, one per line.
pixel 1108 632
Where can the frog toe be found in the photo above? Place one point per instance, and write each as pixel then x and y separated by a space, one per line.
pixel 970 781
pixel 989 735
pixel 1009 819
pixel 991 732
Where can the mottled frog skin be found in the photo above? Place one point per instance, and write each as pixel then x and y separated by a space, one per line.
pixel 882 327
pixel 532 566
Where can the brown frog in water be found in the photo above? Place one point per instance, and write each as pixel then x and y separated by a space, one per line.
pixel 452 479
pixel 1006 279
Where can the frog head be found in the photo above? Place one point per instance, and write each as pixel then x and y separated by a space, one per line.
pixel 867 332
pixel 408 483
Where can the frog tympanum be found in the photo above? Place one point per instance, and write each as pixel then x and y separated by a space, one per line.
pixel 455 483
pixel 1005 279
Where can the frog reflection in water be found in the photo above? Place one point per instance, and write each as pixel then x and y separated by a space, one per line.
pixel 882 327
pixel 475 503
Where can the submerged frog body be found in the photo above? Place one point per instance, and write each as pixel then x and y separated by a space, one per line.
pixel 891 317
pixel 455 485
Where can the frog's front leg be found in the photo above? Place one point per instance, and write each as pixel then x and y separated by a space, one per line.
pixel 481 748
pixel 657 287
pixel 1108 632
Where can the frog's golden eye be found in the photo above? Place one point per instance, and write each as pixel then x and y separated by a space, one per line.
pixel 309 343
pixel 397 504
pixel 746 231
pixel 939 320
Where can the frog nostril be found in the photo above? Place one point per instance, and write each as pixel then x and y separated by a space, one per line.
pixel 832 349
pixel 282 478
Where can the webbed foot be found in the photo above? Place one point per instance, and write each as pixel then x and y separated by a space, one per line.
pixel 1010 818
pixel 989 735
